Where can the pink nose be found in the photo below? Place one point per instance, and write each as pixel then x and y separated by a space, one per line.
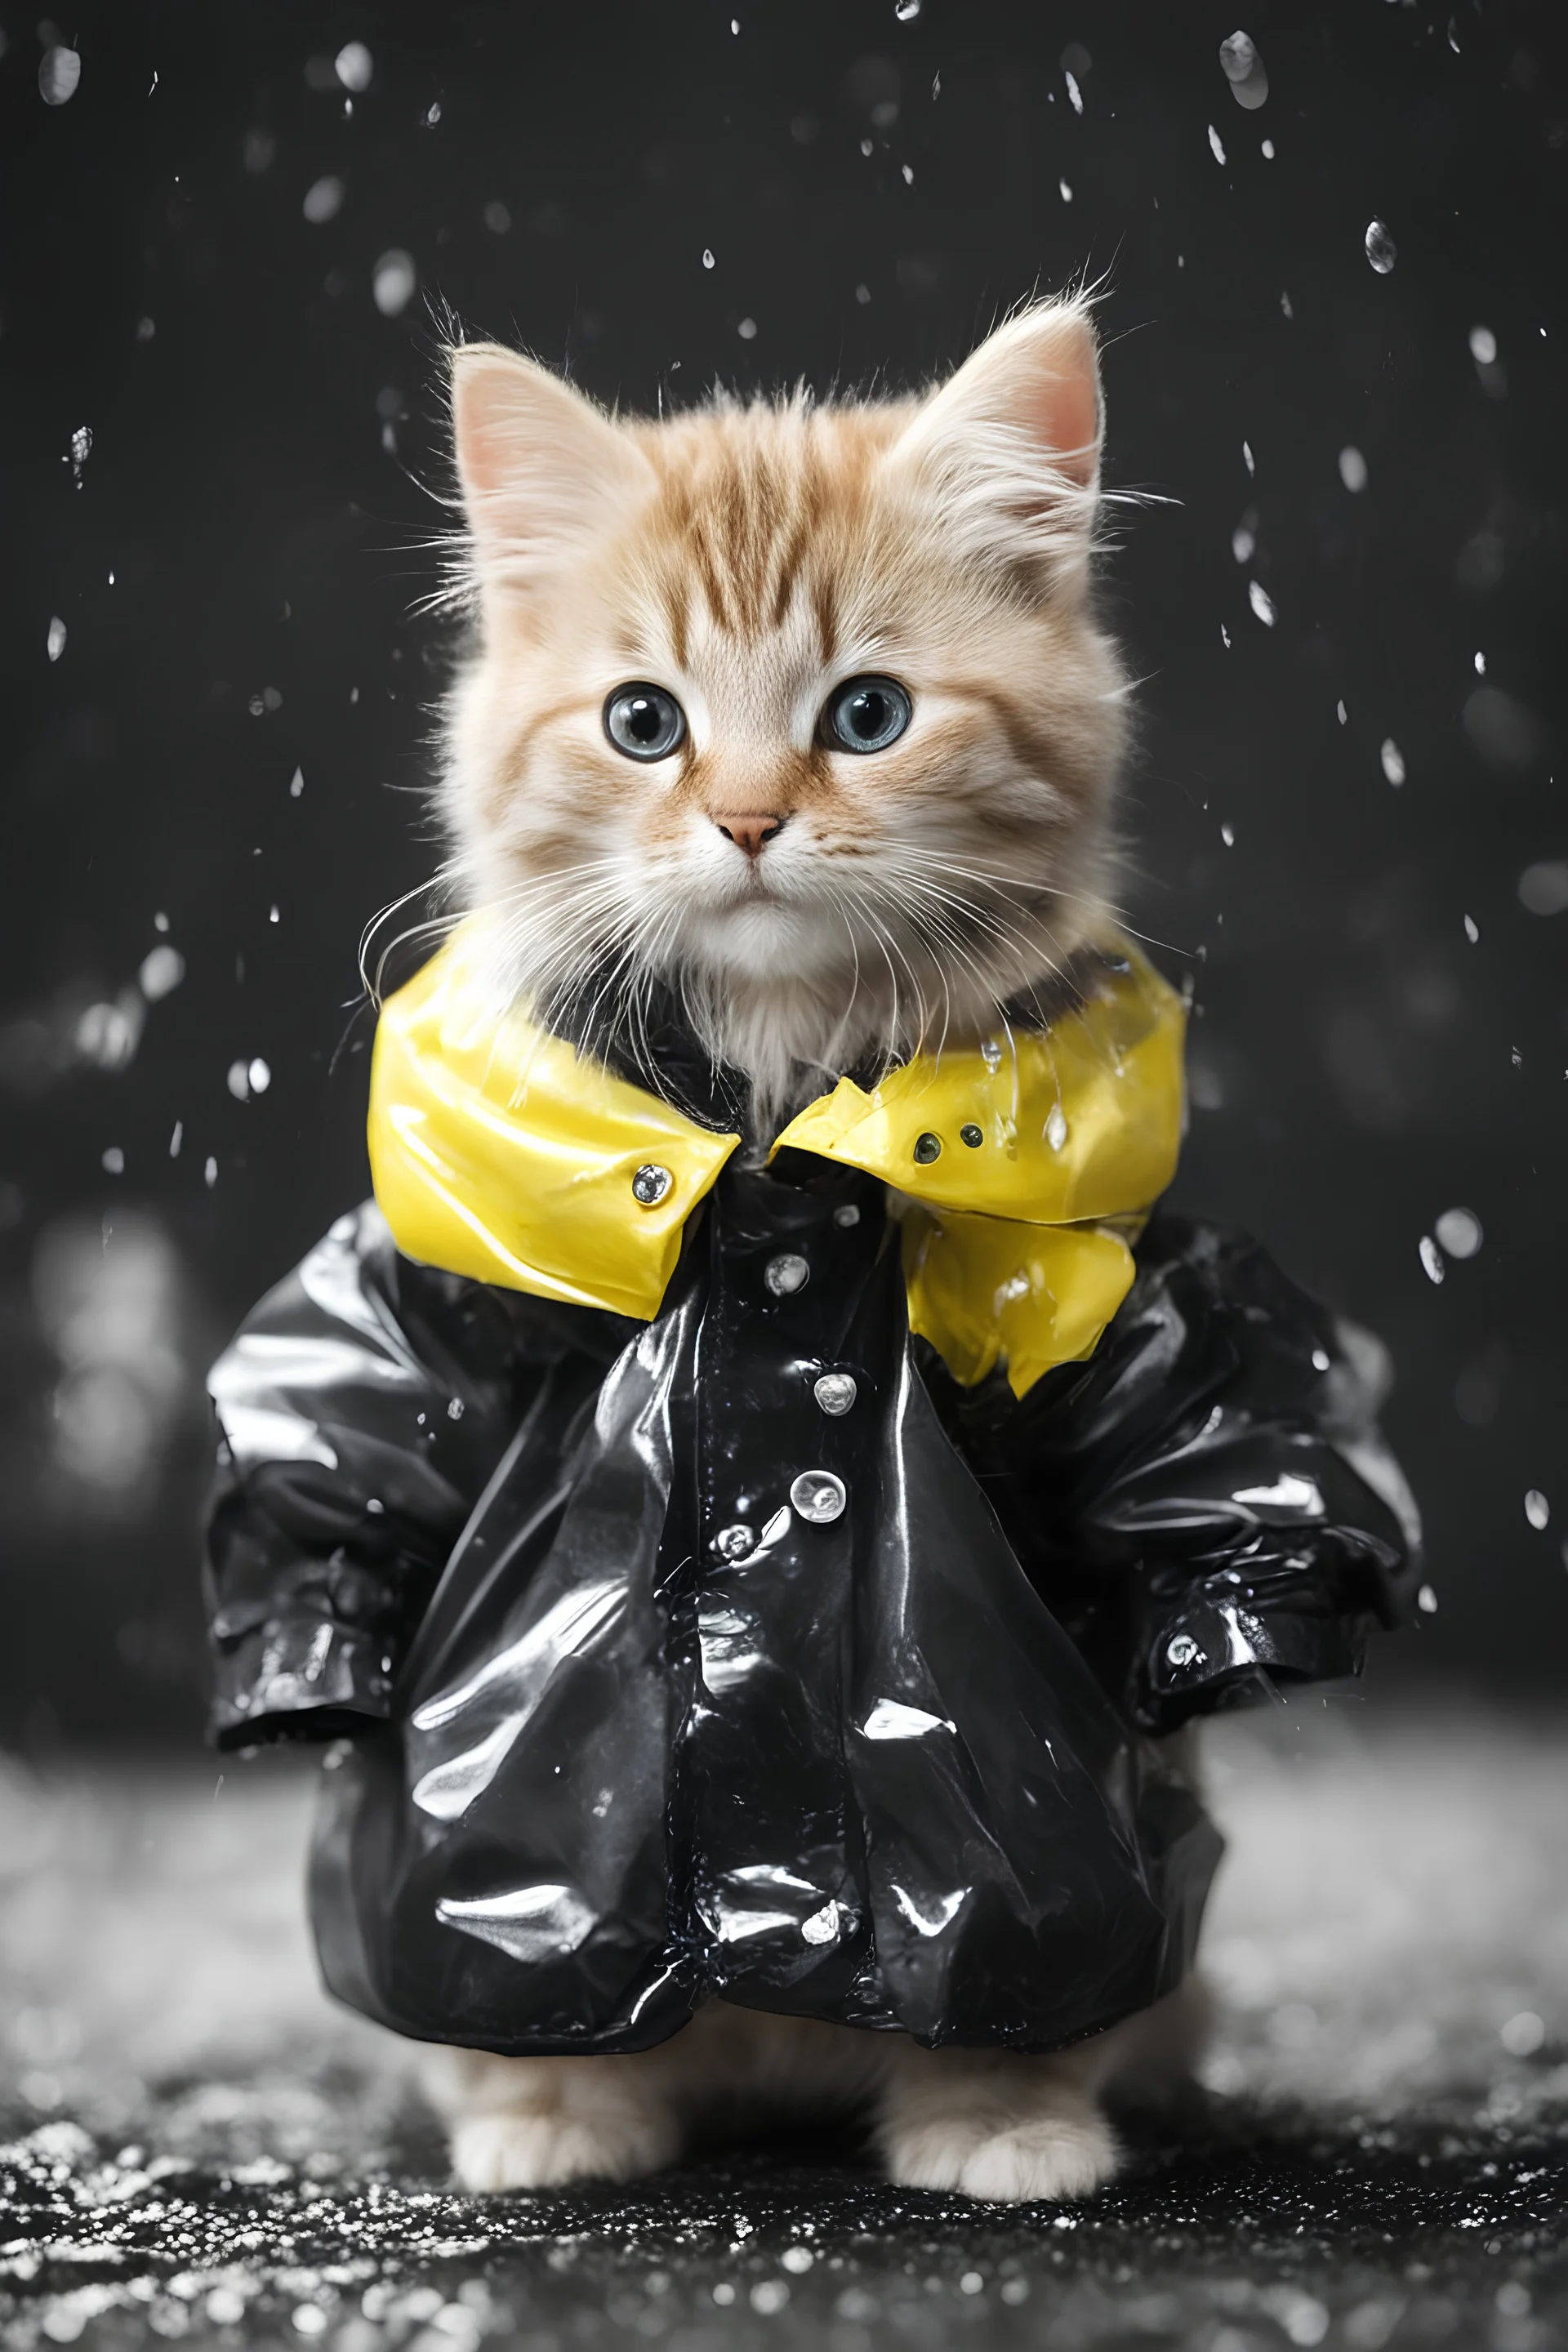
pixel 752 834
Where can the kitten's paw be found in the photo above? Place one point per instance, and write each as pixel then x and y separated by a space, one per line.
pixel 546 2149
pixel 1045 2157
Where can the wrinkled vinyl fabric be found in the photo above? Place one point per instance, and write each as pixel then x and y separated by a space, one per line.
pixel 607 1760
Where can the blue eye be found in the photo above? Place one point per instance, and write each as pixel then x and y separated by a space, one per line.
pixel 867 715
pixel 645 722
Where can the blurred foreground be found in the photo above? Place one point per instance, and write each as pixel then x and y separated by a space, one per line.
pixel 203 2147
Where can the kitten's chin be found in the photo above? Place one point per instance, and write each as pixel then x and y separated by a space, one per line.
pixel 763 940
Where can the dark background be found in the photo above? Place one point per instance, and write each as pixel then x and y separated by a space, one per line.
pixel 237 559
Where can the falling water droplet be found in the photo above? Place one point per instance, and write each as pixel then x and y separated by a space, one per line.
pixel 392 282
pixel 1432 1259
pixel 1352 469
pixel 1393 759
pixel 1381 249
pixel 1537 1509
pixel 1459 1231
pixel 706 257
pixel 1261 603
pixel 55 643
pixel 1217 144
pixel 906 11
pixel 59 71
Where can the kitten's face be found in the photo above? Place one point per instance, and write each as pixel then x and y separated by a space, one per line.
pixel 802 709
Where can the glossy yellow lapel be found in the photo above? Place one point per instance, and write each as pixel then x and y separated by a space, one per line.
pixel 500 1152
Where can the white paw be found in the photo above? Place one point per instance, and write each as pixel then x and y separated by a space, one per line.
pixel 545 2150
pixel 1048 2157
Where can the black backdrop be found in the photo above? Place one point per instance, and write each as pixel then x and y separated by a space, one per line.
pixel 234 559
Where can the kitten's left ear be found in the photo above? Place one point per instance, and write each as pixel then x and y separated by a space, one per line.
pixel 1009 448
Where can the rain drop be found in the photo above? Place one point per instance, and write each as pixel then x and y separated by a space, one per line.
pixel 1392 761
pixel 1216 143
pixel 1483 346
pixel 906 11
pixel 392 282
pixel 1261 603
pixel 706 257
pixel 296 783
pixel 1472 929
pixel 1244 69
pixel 1073 93
pixel 1543 888
pixel 114 1165
pixel 1537 1509
pixel 1432 1259
pixel 323 199
pixel 1352 468
pixel 56 641
pixel 1381 249
pixel 1459 1231
pixel 1066 192
pixel 354 66
pixel 1227 834
pixel 59 71
pixel 747 331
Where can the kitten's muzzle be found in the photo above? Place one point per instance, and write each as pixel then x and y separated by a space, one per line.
pixel 752 834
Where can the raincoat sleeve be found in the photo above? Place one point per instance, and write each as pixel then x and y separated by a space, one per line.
pixel 362 1409
pixel 1206 1503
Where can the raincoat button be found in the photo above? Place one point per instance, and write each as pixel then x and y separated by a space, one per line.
pixel 848 1215
pixel 927 1147
pixel 819 1496
pixel 834 1393
pixel 786 1274
pixel 972 1136
pixel 734 1543
pixel 650 1183
pixel 1182 1651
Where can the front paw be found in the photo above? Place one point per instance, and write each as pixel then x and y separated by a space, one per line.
pixel 1044 2157
pixel 525 2150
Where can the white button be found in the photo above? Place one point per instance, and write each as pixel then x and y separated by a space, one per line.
pixel 650 1183
pixel 1182 1651
pixel 848 1215
pixel 834 1393
pixel 819 1496
pixel 786 1274
pixel 734 1543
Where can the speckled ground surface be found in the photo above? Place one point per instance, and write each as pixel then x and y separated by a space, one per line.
pixel 201 2148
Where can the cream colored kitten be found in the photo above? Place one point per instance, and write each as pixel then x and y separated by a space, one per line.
pixel 742 564
pixel 748 561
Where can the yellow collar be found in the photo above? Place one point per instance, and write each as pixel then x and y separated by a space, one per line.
pixel 501 1153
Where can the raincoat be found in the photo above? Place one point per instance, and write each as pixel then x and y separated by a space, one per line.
pixel 772 1581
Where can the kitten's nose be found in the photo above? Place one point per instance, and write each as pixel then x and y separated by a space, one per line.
pixel 752 834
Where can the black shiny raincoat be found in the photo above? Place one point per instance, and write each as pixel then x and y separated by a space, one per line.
pixel 604 1760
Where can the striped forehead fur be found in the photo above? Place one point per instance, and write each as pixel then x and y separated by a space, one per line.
pixel 751 561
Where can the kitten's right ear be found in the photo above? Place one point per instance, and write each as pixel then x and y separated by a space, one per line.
pixel 543 471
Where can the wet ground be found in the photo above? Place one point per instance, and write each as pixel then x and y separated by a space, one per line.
pixel 201 2148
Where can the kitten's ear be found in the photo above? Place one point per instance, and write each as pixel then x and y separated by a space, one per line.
pixel 543 471
pixel 1009 448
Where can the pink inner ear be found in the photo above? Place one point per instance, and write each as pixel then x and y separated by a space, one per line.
pixel 1061 409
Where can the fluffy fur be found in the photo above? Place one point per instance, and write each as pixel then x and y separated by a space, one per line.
pixel 749 560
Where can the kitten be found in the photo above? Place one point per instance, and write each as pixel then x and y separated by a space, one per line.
pixel 780 582
pixel 810 907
